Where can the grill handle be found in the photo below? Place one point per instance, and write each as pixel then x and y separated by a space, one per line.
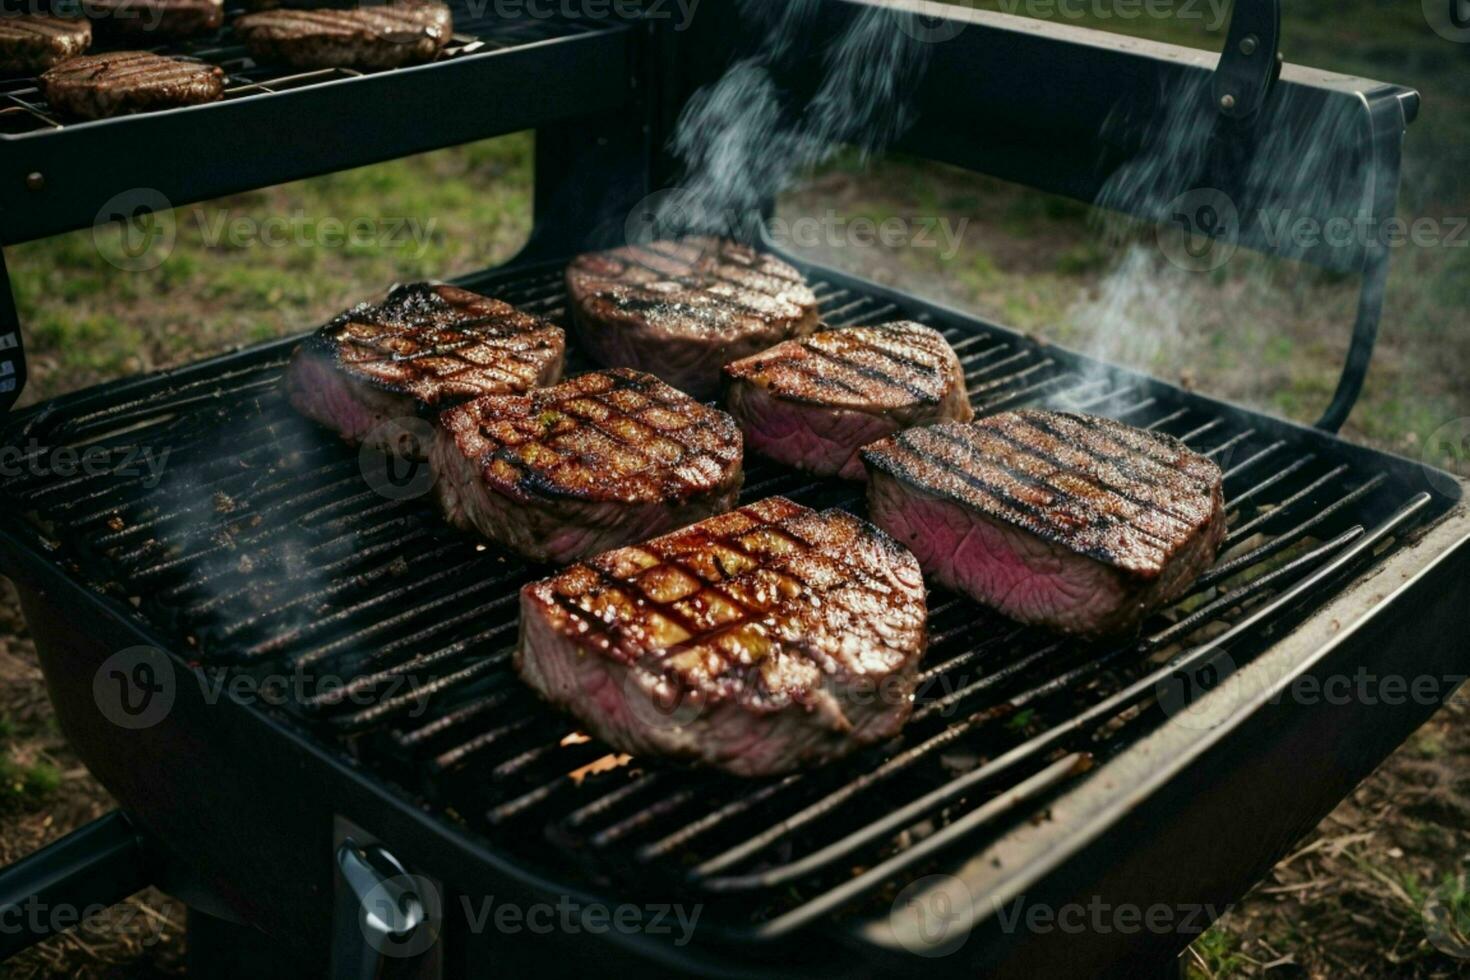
pixel 49 891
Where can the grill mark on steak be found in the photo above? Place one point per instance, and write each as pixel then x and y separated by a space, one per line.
pixel 626 435
pixel 606 458
pixel 681 310
pixel 398 33
pixel 771 620
pixel 991 466
pixel 813 403
pixel 1078 524
pixel 420 342
pixel 100 85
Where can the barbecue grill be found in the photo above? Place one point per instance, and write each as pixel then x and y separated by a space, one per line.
pixel 295 680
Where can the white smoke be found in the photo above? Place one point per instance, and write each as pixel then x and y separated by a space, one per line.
pixel 741 143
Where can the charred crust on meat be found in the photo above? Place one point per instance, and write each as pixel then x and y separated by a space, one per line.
pixel 35 42
pixel 880 368
pixel 117 83
pixel 614 435
pixel 440 345
pixel 1122 496
pixel 761 606
pixel 384 35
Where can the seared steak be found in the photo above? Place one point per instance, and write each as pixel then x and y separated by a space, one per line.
pixel 32 43
pixel 425 348
pixel 596 462
pixel 1080 524
pixel 760 641
pixel 96 86
pixel 813 403
pixel 682 310
pixel 402 32
pixel 140 20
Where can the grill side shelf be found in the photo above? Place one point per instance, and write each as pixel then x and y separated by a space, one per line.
pixel 281 124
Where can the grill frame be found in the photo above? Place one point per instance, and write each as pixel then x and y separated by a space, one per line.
pixel 333 786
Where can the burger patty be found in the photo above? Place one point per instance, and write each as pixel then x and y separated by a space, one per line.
pixel 96 86
pixel 760 641
pixel 375 36
pixel 682 310
pixel 139 20
pixel 813 403
pixel 424 348
pixel 1080 524
pixel 606 458
pixel 32 43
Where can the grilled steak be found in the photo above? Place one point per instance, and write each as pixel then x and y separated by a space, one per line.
pixel 1080 524
pixel 760 641
pixel 813 403
pixel 96 86
pixel 425 348
pixel 596 462
pixel 141 20
pixel 403 32
pixel 32 43
pixel 682 310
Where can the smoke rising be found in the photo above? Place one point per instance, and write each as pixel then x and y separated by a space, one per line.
pixel 741 142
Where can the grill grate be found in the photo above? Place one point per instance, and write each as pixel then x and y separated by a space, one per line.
pixel 477 30
pixel 266 553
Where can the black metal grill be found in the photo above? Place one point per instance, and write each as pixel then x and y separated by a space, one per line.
pixel 389 636
pixel 477 30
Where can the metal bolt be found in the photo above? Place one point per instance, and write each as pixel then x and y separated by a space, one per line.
pixel 35 181
pixel 1248 44
pixel 1227 102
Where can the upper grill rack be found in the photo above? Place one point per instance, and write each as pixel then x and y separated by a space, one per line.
pixel 23 109
pixel 265 553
